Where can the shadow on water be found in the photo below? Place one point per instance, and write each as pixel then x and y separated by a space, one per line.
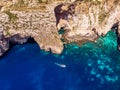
pixel 30 40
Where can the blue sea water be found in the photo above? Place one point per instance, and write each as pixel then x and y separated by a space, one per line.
pixel 93 66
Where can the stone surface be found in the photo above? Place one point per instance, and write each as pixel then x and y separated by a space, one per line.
pixel 86 21
pixel 82 21
pixel 32 22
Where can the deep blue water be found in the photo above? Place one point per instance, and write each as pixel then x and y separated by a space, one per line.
pixel 93 66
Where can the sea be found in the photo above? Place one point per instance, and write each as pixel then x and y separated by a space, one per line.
pixel 92 66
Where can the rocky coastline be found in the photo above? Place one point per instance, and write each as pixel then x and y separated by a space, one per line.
pixel 81 20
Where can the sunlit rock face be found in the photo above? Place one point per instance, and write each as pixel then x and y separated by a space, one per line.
pixel 87 19
pixel 82 20
pixel 28 20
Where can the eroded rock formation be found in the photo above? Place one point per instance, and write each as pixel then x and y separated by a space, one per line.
pixel 82 20
pixel 85 20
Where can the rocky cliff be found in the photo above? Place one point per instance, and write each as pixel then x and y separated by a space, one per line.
pixel 82 20
pixel 87 19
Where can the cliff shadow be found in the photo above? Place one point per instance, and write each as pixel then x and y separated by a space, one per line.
pixel 115 28
pixel 13 41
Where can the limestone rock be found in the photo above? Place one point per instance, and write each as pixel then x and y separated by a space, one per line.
pixel 82 20
pixel 36 23
pixel 87 19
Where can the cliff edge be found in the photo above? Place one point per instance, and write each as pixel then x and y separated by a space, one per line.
pixel 81 20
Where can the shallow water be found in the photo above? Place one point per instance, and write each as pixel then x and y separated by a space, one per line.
pixel 94 66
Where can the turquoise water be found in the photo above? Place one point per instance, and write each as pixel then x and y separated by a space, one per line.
pixel 94 66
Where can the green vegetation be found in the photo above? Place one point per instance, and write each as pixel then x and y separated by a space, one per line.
pixel 7 30
pixel 20 3
pixel 12 17
pixel 89 0
pixel 40 1
pixel 102 16
pixel 7 33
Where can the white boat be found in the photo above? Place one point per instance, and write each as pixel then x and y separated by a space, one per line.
pixel 60 65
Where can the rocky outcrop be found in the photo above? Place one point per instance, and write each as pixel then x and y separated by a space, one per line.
pixel 82 20
pixel 5 43
pixel 37 22
pixel 117 28
pixel 87 20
